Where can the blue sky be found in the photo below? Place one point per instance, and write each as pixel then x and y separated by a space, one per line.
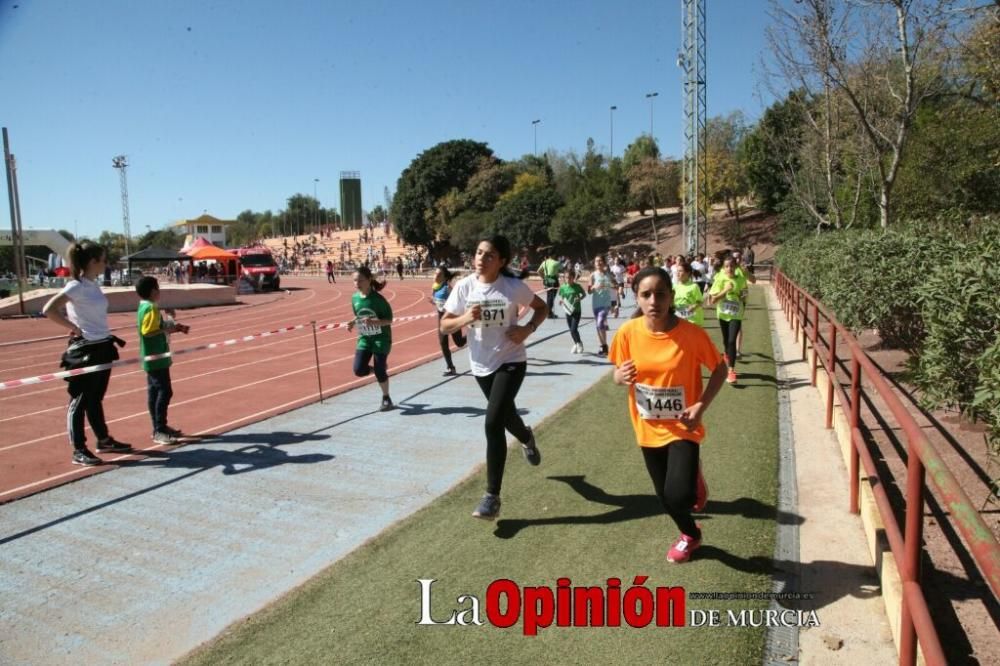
pixel 226 105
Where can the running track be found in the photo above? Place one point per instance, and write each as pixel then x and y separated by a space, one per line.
pixel 214 390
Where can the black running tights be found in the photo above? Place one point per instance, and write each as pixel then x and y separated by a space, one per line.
pixel 500 389
pixel 674 469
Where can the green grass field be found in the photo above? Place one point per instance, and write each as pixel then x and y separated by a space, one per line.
pixel 587 513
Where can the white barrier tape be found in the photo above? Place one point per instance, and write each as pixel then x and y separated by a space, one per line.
pixel 14 383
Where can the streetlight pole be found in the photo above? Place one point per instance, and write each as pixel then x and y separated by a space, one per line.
pixel 612 111
pixel 534 124
pixel 650 97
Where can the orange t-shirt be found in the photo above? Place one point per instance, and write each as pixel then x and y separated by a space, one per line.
pixel 668 377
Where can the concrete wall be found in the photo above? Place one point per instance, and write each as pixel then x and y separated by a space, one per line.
pixel 124 299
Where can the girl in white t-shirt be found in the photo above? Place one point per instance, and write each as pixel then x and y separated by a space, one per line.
pixel 91 343
pixel 488 302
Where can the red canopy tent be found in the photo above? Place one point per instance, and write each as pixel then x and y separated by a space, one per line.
pixel 202 250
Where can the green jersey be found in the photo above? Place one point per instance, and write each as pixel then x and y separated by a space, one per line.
pixel 152 337
pixel 687 302
pixel 730 307
pixel 375 338
pixel 571 295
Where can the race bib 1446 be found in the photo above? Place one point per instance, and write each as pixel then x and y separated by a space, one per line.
pixel 660 404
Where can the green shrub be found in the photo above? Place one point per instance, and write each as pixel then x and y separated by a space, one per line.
pixel 931 288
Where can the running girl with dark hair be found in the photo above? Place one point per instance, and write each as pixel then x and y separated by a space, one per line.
pixel 659 356
pixel 488 302
pixel 687 296
pixel 373 319
pixel 91 343
pixel 727 296
pixel 440 291
pixel 570 295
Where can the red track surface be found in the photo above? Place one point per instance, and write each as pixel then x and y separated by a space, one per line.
pixel 214 390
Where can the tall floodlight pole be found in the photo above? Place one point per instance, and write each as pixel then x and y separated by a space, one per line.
pixel 15 220
pixel 692 61
pixel 534 125
pixel 120 162
pixel 315 212
pixel 650 97
pixel 612 112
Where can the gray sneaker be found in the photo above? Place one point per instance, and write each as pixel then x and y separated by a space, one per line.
pixel 85 457
pixel 488 508
pixel 530 450
pixel 166 438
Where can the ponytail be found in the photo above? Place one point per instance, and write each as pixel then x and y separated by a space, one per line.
pixel 79 256
pixel 366 273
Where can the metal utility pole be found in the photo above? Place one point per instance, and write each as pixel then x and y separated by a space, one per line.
pixel 15 220
pixel 650 97
pixel 692 61
pixel 534 124
pixel 120 162
pixel 612 112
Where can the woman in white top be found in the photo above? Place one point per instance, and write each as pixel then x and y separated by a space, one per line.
pixel 91 343
pixel 487 302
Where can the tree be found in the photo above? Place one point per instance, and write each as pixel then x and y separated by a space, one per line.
pixel 883 57
pixel 165 238
pixel 430 176
pixel 378 214
pixel 726 179
pixel 525 216
pixel 653 183
pixel 643 147
pixel 595 199
pixel 769 146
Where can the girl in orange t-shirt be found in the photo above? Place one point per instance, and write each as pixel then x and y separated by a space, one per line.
pixel 659 357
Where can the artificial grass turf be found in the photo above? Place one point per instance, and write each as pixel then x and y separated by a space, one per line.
pixel 587 514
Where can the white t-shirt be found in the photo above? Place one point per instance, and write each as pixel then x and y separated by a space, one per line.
pixel 87 307
pixel 489 346
pixel 619 273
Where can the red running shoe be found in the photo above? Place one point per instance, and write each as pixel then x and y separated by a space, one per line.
pixel 682 549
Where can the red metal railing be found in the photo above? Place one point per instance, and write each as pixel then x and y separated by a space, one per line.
pixel 807 316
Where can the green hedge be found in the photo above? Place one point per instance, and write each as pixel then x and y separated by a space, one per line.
pixel 932 289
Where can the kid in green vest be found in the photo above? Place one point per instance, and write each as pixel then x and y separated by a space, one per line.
pixel 153 341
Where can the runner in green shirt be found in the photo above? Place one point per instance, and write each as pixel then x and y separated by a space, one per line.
pixel 688 297
pixel 549 272
pixel 373 319
pixel 570 295
pixel 727 296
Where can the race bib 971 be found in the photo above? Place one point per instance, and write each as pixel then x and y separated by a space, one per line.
pixel 660 404
pixel 684 311
pixel 493 313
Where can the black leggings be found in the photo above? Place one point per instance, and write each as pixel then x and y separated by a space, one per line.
pixel 730 330
pixel 500 389
pixel 443 341
pixel 673 469
pixel 86 395
pixel 573 321
pixel 362 357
